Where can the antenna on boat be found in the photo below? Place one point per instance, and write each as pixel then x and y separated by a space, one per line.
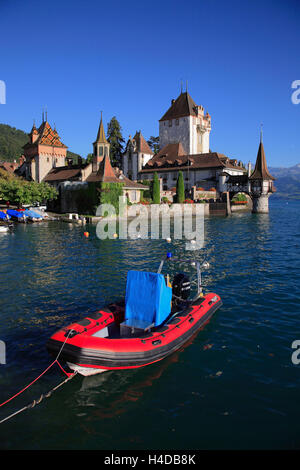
pixel 200 267
pixel 169 256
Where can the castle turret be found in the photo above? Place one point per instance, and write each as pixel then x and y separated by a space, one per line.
pixel 101 147
pixel 136 155
pixel 261 182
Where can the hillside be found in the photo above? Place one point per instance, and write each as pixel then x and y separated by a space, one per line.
pixel 12 141
pixel 287 181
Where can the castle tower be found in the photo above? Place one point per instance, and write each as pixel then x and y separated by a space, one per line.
pixel 185 122
pixel 43 152
pixel 101 147
pixel 261 182
pixel 136 155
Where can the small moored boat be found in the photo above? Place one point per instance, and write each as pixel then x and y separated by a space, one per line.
pixel 19 216
pixel 33 216
pixel 152 322
pixel 4 216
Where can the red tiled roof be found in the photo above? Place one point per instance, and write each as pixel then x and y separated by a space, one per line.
pixel 167 155
pixel 184 105
pixel 63 174
pixel 172 156
pixel 141 144
pixel 46 136
pixel 10 167
pixel 105 173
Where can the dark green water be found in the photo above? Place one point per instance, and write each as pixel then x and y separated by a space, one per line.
pixel 233 387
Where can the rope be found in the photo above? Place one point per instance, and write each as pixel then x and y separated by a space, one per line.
pixel 27 386
pixel 36 402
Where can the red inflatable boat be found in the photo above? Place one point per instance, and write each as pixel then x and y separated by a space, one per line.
pixel 118 337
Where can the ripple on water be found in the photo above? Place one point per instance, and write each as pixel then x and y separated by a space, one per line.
pixel 237 370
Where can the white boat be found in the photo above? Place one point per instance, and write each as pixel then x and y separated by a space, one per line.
pixel 3 229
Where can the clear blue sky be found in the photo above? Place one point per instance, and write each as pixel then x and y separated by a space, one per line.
pixel 127 58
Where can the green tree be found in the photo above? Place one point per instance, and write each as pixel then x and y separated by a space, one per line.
pixel 115 138
pixel 180 188
pixel 19 191
pixel 156 190
pixel 153 143
pixel 89 157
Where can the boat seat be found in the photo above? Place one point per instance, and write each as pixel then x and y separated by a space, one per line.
pixel 147 301
pixel 134 326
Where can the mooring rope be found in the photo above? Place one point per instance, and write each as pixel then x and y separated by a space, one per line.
pixel 48 394
pixel 38 401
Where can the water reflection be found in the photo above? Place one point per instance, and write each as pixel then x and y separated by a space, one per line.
pixel 110 392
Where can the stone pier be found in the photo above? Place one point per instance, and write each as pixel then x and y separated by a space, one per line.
pixel 260 204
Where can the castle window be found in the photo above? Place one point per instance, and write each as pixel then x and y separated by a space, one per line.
pixel 100 151
pixel 177 122
pixel 48 159
pixel 170 123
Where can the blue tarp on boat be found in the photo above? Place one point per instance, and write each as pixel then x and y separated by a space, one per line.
pixel 32 214
pixel 14 213
pixel 4 216
pixel 148 299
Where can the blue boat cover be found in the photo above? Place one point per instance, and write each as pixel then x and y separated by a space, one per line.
pixel 31 213
pixel 14 213
pixel 148 299
pixel 3 216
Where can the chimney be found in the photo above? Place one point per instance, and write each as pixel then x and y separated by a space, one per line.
pixel 249 169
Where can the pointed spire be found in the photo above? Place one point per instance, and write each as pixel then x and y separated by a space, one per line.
pixel 261 133
pixel 43 119
pixel 106 172
pixel 261 171
pixel 101 134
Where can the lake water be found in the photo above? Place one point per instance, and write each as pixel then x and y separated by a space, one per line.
pixel 233 387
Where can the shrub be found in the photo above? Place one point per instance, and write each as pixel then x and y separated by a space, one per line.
pixel 19 191
pixel 240 197
pixel 110 193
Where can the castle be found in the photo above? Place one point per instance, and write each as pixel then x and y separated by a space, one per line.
pixel 184 132
pixel 184 135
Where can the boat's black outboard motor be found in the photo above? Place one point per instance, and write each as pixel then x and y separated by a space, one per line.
pixel 181 288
